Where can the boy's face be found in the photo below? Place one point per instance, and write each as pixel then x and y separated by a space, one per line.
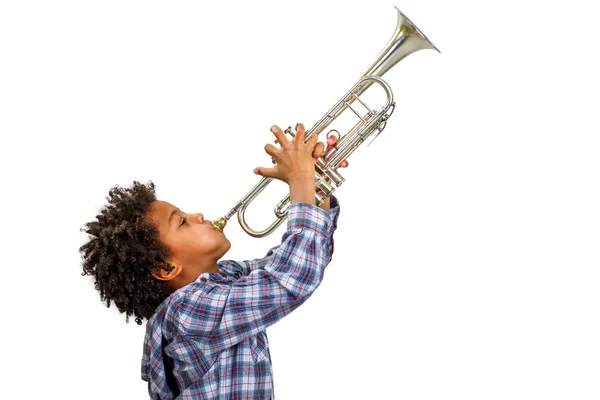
pixel 196 246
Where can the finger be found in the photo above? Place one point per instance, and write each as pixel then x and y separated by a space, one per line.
pixel 281 139
pixel 330 143
pixel 312 142
pixel 266 172
pixel 318 150
pixel 300 132
pixel 344 164
pixel 271 150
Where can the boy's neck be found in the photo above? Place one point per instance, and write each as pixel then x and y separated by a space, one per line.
pixel 186 276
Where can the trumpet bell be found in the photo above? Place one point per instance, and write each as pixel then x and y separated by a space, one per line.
pixel 406 39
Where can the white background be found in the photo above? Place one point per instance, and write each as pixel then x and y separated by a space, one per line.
pixel 467 260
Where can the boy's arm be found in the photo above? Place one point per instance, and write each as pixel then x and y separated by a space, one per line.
pixel 221 313
pixel 239 269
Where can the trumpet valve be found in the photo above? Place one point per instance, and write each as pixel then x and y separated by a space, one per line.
pixel 319 199
pixel 325 188
pixel 335 177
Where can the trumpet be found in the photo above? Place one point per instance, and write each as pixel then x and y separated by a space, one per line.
pixel 406 39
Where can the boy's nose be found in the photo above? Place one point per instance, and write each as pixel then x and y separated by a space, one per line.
pixel 200 217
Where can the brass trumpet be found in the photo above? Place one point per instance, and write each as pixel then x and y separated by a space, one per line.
pixel 407 39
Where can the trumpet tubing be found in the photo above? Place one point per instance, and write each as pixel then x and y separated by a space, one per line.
pixel 405 40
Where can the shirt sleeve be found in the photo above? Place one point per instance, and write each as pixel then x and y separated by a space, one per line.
pixel 237 268
pixel 223 313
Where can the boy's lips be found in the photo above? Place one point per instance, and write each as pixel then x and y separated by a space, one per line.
pixel 211 225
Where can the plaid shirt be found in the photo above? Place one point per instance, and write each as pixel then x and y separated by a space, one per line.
pixel 207 340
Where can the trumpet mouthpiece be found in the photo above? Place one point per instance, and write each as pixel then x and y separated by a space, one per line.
pixel 219 224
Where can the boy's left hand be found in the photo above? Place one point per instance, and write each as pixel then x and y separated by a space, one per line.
pixel 320 150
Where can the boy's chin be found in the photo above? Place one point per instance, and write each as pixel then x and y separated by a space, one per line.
pixel 227 247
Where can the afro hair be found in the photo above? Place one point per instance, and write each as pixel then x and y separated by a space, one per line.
pixel 124 249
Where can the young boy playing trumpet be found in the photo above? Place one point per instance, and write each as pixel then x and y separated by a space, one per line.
pixel 205 335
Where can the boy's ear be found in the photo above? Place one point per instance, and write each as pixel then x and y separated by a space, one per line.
pixel 163 275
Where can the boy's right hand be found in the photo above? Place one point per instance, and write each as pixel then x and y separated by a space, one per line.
pixel 294 158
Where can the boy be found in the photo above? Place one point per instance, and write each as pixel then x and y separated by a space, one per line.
pixel 205 336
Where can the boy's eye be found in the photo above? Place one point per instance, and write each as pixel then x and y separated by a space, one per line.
pixel 183 221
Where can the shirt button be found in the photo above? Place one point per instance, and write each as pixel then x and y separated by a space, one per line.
pixel 203 279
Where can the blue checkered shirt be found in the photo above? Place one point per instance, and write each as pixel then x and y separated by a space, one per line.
pixel 207 340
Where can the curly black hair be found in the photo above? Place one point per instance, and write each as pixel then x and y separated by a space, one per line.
pixel 124 249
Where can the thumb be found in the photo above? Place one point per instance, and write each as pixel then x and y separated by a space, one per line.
pixel 266 172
